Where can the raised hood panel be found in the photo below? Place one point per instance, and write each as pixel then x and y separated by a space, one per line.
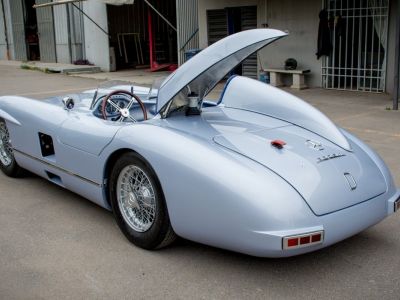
pixel 323 184
pixel 207 68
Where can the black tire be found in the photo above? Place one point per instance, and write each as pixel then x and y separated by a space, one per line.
pixel 12 169
pixel 160 234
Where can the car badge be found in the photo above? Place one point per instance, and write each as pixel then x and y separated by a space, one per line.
pixel 315 145
pixel 351 181
pixel 329 156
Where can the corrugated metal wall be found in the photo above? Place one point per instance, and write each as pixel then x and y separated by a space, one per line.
pixel 77 32
pixel 61 33
pixel 187 25
pixel 46 33
pixel 3 47
pixel 9 28
pixel 18 29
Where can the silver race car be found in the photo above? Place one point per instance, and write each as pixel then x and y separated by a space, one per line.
pixel 258 172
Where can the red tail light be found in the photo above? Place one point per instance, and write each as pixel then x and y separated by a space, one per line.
pixel 303 240
pixel 293 242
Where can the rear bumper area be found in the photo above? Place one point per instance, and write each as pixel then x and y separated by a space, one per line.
pixel 393 203
pixel 336 226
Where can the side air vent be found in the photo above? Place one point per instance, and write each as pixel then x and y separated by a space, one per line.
pixel 55 178
pixel 46 144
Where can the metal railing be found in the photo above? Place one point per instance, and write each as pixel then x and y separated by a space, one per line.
pixel 359 45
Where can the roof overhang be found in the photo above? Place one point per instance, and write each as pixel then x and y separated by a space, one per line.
pixel 60 2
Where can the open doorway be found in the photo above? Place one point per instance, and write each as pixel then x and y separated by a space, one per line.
pixel 128 26
pixel 31 31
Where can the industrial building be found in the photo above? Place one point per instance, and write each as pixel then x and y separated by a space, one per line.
pixel 139 33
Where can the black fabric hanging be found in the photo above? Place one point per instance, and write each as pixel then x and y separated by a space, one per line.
pixel 324 35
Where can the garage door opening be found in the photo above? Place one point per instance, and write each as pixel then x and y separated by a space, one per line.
pixel 130 38
pixel 31 31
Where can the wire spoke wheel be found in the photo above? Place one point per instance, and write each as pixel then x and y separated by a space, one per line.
pixel 6 151
pixel 138 203
pixel 136 198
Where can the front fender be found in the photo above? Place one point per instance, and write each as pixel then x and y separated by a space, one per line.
pixel 4 102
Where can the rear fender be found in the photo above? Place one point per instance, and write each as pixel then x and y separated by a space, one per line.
pixel 245 197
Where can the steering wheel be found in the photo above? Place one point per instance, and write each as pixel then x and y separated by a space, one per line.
pixel 124 111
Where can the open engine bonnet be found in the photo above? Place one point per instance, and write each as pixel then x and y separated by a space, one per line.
pixel 206 69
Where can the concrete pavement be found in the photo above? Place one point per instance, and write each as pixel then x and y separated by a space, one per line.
pixel 57 245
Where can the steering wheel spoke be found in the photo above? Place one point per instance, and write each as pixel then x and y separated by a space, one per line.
pixel 122 119
pixel 124 111
pixel 109 101
pixel 130 104
pixel 132 119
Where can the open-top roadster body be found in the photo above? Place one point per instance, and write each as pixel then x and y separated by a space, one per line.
pixel 259 172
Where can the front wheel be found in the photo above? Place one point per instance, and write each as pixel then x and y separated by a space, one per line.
pixel 138 203
pixel 7 160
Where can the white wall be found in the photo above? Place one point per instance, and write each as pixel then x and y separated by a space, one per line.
pixel 300 18
pixel 96 41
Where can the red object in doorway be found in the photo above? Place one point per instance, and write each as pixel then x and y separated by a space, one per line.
pixel 154 65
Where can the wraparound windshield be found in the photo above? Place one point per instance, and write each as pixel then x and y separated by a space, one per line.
pixel 146 94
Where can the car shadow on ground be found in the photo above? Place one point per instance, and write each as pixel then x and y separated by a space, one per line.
pixel 360 253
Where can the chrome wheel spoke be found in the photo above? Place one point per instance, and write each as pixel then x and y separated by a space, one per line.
pixel 6 152
pixel 136 198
